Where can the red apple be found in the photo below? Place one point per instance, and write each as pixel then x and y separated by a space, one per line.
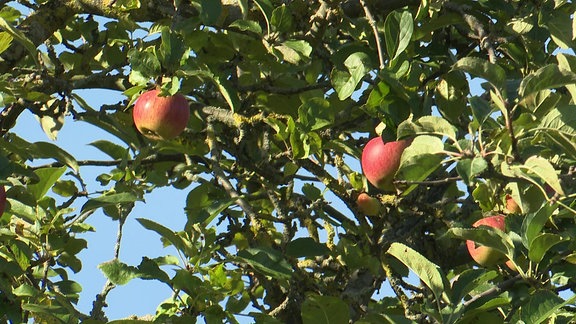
pixel 380 161
pixel 484 255
pixel 368 205
pixel 159 117
pixel 512 206
pixel 2 200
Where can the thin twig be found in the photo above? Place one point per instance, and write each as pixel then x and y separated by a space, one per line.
pixel 100 301
pixel 223 180
pixel 428 182
pixel 372 23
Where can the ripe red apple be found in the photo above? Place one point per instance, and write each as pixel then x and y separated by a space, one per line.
pixel 484 255
pixel 380 161
pixel 159 117
pixel 2 200
pixel 368 205
pixel 512 206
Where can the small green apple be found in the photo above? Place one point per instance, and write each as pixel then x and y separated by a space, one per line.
pixel 368 205
pixel 512 206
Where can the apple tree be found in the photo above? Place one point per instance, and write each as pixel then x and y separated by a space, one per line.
pixel 283 97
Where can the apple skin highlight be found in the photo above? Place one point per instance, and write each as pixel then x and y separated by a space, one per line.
pixel 161 118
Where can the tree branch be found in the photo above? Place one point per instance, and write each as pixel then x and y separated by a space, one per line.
pixel 494 290
pixel 372 23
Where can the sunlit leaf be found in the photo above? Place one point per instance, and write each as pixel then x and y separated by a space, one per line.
pixel 541 244
pixel 427 271
pixel 398 29
pixel 478 67
pixel 346 82
pixel 539 307
pixel 48 150
pixel 48 177
pixel 547 77
pixel 427 125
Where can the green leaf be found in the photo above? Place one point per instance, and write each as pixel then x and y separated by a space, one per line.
pixel 547 77
pixel 301 46
pixel 468 169
pixel 67 287
pixel 5 41
pixel 537 170
pixel 117 272
pixel 247 25
pixel 25 290
pixel 48 177
pixel 478 67
pixel 318 309
pixel 165 233
pixel 469 280
pixel 149 269
pixel 53 122
pixel 481 109
pixel 205 202
pixel 541 244
pixel 269 262
pixel 228 91
pixel 146 63
pixel 109 200
pixel 266 8
pixel 113 150
pixel 345 82
pixel 315 114
pixel 65 188
pixel 420 159
pixel 568 62
pixel 488 236
pixel 306 247
pixel 127 5
pixel 398 29
pixel 172 49
pixel 534 223
pixel 545 171
pixel 539 307
pixel 48 150
pixel 560 119
pixel 22 39
pixel 427 125
pixel 427 271
pixel 559 24
pixel 282 18
pixel 211 11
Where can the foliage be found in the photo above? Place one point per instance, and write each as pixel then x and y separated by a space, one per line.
pixel 284 94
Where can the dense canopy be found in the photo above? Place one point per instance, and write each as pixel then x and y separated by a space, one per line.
pixel 283 96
